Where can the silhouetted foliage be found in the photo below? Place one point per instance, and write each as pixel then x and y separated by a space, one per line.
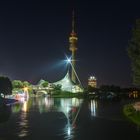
pixel 26 84
pixel 91 89
pixel 17 84
pixel 134 52
pixel 5 86
pixel 57 87
pixel 110 88
pixel 20 84
pixel 45 84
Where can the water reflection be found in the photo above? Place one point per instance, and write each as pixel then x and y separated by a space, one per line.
pixel 70 108
pixel 69 132
pixel 46 107
pixel 23 121
pixel 56 118
pixel 5 112
pixel 93 106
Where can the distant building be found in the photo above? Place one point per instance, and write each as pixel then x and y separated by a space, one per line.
pixel 92 81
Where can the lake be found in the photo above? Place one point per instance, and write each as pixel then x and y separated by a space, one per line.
pixel 45 118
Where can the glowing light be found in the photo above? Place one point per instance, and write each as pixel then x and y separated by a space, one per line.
pixel 23 123
pixel 93 108
pixel 26 94
pixel 24 108
pixel 25 89
pixel 92 81
pixel 69 60
pixel 92 78
pixel 69 131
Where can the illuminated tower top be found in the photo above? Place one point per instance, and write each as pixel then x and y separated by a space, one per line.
pixel 73 35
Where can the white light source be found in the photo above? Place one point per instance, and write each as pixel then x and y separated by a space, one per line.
pixel 69 131
pixel 68 60
pixel 92 78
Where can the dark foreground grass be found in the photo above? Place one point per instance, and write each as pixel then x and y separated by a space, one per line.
pixel 132 114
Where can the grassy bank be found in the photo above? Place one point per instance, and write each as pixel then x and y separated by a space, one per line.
pixel 132 114
pixel 65 94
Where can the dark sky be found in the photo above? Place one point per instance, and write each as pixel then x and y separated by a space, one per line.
pixel 34 39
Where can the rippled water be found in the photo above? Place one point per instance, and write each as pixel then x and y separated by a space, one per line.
pixel 40 118
pixel 65 119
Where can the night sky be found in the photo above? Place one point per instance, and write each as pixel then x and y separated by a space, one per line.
pixel 34 39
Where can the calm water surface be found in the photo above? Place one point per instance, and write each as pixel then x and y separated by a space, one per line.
pixel 46 118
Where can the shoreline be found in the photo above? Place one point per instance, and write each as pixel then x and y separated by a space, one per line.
pixel 132 114
pixel 8 101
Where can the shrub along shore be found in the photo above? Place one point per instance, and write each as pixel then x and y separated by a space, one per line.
pixel 133 115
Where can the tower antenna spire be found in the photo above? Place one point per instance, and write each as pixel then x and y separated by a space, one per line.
pixel 73 21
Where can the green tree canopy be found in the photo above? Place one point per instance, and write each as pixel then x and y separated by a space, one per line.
pixel 45 84
pixel 17 84
pixel 5 86
pixel 134 52
pixel 57 87
pixel 26 84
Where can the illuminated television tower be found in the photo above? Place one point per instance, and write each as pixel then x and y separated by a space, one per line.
pixel 73 48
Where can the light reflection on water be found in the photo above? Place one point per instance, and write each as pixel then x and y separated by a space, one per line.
pixel 69 107
pixel 56 118
pixel 23 122
pixel 93 106
pixel 69 132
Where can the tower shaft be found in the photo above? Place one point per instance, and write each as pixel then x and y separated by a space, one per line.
pixel 73 48
pixel 73 76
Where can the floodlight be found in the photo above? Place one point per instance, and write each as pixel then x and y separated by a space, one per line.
pixel 68 60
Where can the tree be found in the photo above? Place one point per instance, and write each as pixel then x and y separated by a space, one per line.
pixel 26 84
pixel 5 86
pixel 91 89
pixel 57 87
pixel 134 52
pixel 17 84
pixel 45 84
pixel 110 88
